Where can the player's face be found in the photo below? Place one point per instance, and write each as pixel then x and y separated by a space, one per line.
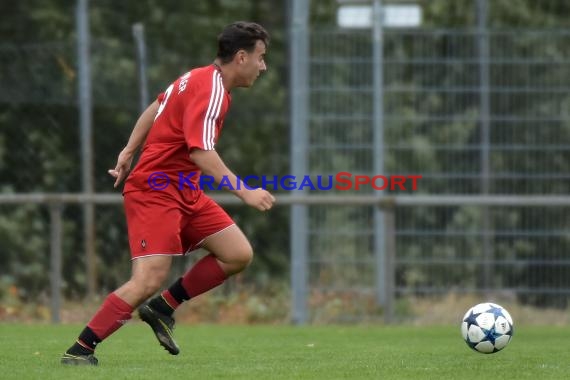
pixel 253 64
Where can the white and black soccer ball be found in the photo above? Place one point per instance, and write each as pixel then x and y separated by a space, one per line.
pixel 487 328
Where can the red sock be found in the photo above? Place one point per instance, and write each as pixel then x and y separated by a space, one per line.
pixel 111 315
pixel 206 274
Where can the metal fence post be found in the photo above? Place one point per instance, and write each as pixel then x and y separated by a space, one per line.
pixel 299 89
pixel 484 123
pixel 56 231
pixel 390 262
pixel 378 136
pixel 86 125
pixel 138 34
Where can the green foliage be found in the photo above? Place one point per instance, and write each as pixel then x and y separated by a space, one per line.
pixel 39 139
pixel 24 251
pixel 39 143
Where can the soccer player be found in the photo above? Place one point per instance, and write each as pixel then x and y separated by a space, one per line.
pixel 186 123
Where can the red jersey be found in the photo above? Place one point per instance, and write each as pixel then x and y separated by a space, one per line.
pixel 191 115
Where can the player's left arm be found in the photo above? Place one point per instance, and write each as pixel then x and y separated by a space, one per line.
pixel 138 135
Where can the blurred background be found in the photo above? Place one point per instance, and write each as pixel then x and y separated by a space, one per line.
pixel 474 95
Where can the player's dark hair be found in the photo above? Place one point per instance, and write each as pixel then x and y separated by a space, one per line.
pixel 238 36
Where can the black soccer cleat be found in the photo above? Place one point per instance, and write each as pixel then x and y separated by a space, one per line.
pixel 69 359
pixel 162 325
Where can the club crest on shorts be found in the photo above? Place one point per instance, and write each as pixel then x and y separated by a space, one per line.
pixel 143 243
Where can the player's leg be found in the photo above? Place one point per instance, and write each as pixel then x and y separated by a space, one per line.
pixel 153 226
pixel 148 274
pixel 230 252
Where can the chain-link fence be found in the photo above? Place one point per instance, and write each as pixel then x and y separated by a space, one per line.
pixel 469 122
pixel 436 123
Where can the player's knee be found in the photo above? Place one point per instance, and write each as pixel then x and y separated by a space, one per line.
pixel 236 260
pixel 152 285
pixel 151 282
pixel 244 255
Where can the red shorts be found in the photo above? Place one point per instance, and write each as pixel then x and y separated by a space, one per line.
pixel 160 224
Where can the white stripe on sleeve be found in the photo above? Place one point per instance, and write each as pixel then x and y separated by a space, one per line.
pixel 214 107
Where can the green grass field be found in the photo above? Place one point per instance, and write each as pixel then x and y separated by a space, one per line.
pixel 286 352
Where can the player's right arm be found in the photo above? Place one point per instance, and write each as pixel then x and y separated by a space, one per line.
pixel 211 164
pixel 201 122
pixel 138 135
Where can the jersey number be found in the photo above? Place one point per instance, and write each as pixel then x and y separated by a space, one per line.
pixel 163 103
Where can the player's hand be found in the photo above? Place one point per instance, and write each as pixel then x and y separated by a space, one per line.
pixel 122 168
pixel 259 198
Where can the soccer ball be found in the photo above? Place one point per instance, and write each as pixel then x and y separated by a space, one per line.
pixel 487 328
